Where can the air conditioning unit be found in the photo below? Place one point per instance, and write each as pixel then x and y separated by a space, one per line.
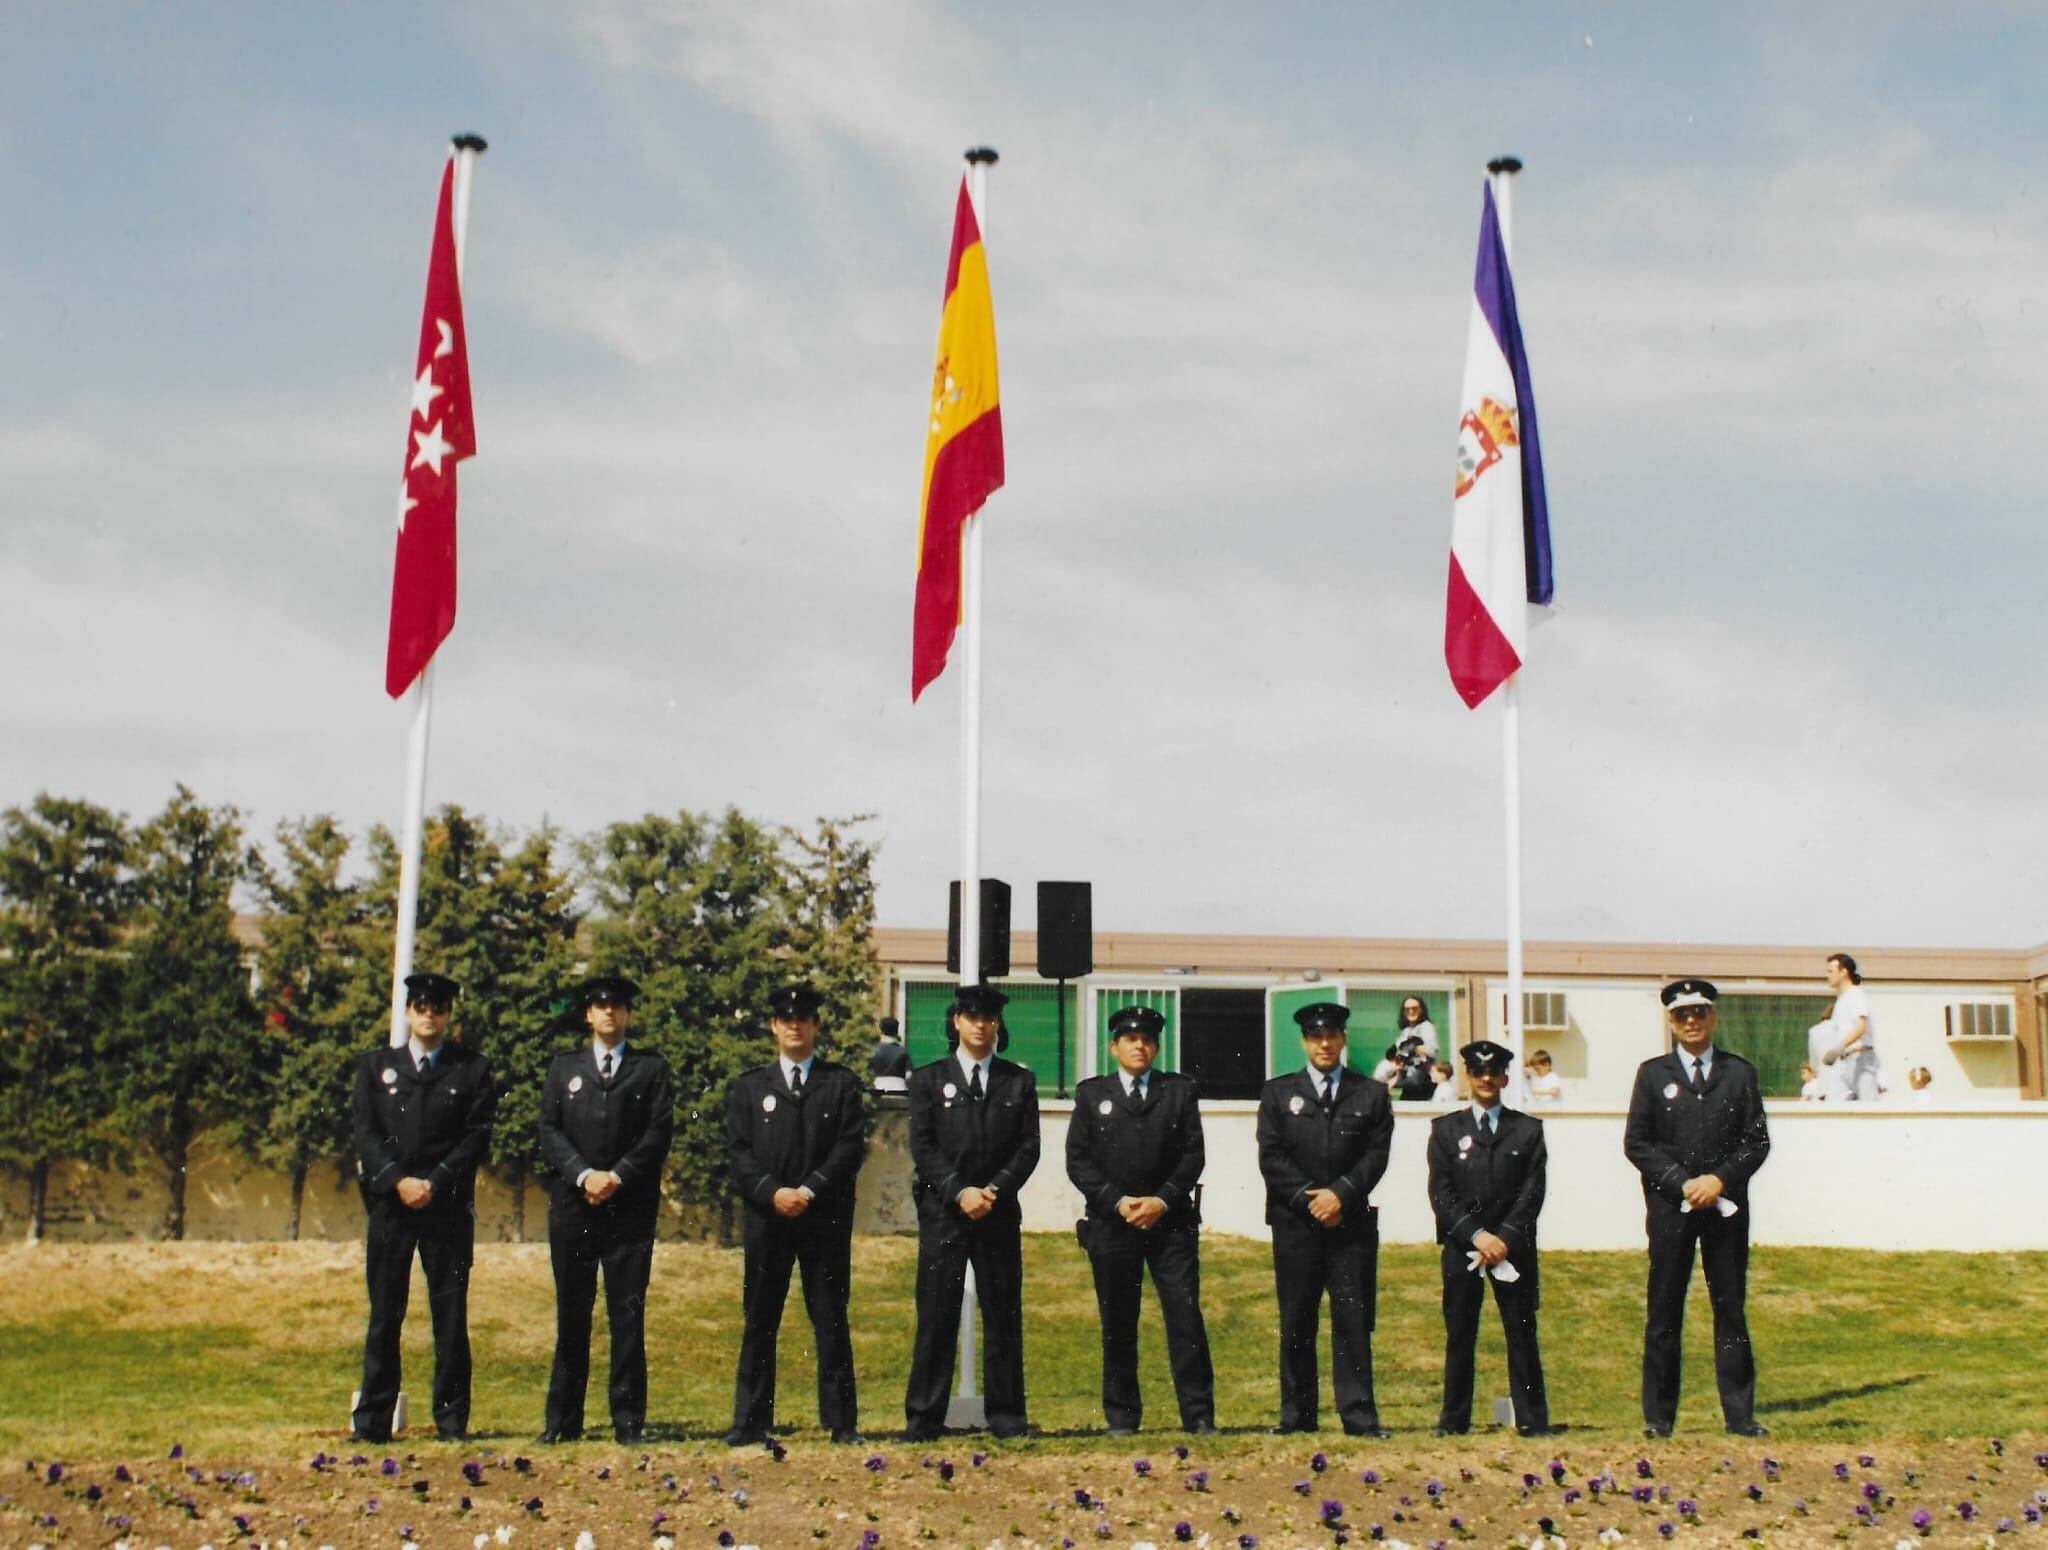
pixel 1543 1011
pixel 1979 1020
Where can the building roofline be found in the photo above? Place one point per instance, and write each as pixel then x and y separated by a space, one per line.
pixel 1327 956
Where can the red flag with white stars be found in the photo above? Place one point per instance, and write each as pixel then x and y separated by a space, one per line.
pixel 439 435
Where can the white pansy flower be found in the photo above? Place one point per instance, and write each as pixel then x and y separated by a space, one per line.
pixel 586 1541
pixel 504 1534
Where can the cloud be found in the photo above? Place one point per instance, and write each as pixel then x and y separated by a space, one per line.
pixel 1230 349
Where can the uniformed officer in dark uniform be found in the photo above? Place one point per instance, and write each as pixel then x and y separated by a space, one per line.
pixel 794 1130
pixel 607 1118
pixel 973 1141
pixel 1324 1134
pixel 1486 1182
pixel 1696 1133
pixel 1134 1151
pixel 422 1114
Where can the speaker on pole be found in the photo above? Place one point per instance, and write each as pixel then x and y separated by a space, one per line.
pixel 995 930
pixel 1066 931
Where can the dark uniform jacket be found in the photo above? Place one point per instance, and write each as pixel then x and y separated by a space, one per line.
pixel 1113 1152
pixel 777 1142
pixel 1492 1183
pixel 435 1127
pixel 889 1059
pixel 625 1127
pixel 956 1143
pixel 1673 1136
pixel 1302 1148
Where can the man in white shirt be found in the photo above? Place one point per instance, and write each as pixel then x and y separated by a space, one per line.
pixel 1853 1050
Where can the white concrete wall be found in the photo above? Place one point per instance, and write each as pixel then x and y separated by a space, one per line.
pixel 1869 1176
pixel 1892 1175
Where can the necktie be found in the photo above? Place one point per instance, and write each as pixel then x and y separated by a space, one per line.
pixel 1699 1075
pixel 1330 1091
pixel 426 1062
pixel 606 1073
pixel 796 1081
pixel 974 1084
pixel 1486 1122
pixel 1137 1092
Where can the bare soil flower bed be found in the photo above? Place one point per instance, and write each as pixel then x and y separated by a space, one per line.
pixel 1240 1491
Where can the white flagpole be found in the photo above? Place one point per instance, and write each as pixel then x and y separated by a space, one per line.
pixel 1502 171
pixel 967 1408
pixel 467 148
pixel 979 161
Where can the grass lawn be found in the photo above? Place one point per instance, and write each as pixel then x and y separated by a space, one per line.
pixel 253 1348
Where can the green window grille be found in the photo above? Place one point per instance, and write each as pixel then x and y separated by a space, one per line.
pixel 1374 1012
pixel 1032 1017
pixel 1769 1031
pixel 1109 1001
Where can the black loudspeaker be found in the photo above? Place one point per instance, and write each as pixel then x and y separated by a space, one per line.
pixel 1066 930
pixel 995 930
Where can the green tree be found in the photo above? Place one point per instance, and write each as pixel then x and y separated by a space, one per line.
pixel 710 916
pixel 832 943
pixel 318 1008
pixel 63 894
pixel 189 1059
pixel 501 919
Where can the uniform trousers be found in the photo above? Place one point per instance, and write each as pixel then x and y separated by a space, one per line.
pixel 1464 1298
pixel 578 1251
pixel 445 1240
pixel 1309 1260
pixel 1723 1244
pixel 1119 1255
pixel 823 1252
pixel 946 1246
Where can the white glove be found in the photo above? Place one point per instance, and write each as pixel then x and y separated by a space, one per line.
pixel 1501 1272
pixel 1724 1205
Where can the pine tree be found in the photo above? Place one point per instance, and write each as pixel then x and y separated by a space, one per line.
pixel 318 1010
pixel 189 1059
pixel 63 894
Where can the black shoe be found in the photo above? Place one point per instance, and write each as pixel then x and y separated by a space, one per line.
pixel 1657 1429
pixel 453 1434
pixel 1536 1431
pixel 1457 1431
pixel 371 1439
pixel 1010 1430
pixel 1289 1431
pixel 632 1433
pixel 1749 1429
pixel 847 1436
pixel 1201 1429
pixel 923 1433
pixel 742 1437
pixel 1379 1432
pixel 561 1434
pixel 1122 1431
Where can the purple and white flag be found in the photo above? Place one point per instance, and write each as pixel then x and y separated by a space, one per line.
pixel 1500 524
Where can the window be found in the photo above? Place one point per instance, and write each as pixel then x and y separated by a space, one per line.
pixel 1032 1018
pixel 1770 1033
pixel 1108 1002
pixel 1223 1041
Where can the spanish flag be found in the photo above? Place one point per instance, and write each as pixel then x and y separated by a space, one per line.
pixel 963 446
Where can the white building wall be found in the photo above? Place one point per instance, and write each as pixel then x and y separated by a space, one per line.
pixel 1615 1026
pixel 1866 1176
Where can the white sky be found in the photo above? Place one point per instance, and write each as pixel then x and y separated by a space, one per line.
pixel 1782 278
